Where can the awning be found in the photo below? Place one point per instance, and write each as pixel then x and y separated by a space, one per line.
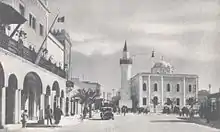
pixel 8 15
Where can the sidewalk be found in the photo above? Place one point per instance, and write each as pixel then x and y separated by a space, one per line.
pixel 65 121
pixel 70 120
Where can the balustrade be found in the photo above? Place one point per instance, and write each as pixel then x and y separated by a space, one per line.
pixel 19 49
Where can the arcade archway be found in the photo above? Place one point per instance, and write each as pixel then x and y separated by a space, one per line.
pixel 10 99
pixel 56 88
pixel 32 90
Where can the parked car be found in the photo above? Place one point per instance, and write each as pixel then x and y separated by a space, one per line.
pixel 107 113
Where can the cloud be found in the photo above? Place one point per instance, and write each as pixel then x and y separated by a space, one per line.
pixel 185 31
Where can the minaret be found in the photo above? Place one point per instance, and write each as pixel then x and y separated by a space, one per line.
pixel 125 91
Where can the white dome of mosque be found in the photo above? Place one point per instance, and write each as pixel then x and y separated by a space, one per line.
pixel 162 67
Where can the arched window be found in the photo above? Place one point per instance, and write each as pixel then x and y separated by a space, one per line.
pixel 168 87
pixel 190 88
pixel 155 86
pixel 144 87
pixel 178 87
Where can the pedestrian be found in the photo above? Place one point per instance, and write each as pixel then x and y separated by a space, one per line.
pixel 58 113
pixel 49 115
pixel 24 118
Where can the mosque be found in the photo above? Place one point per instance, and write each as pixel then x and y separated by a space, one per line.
pixel 160 84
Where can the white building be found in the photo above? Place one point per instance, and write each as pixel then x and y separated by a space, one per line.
pixel 24 84
pixel 163 85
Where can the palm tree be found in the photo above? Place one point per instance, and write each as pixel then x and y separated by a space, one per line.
pixel 87 98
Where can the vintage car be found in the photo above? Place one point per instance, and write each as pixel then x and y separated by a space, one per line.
pixel 106 113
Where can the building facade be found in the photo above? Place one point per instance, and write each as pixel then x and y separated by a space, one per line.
pixel 73 102
pixel 36 13
pixel 163 85
pixel 25 85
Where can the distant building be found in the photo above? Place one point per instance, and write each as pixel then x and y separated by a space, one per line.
pixel 202 95
pixel 163 85
pixel 212 106
pixel 73 103
pixel 64 38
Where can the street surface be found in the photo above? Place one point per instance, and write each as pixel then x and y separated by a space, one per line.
pixel 132 123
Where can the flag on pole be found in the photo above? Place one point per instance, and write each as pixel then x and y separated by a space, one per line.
pixel 61 19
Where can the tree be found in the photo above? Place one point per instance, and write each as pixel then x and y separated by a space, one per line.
pixel 191 101
pixel 87 98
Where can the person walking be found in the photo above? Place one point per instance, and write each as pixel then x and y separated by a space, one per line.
pixel 49 115
pixel 24 118
pixel 58 113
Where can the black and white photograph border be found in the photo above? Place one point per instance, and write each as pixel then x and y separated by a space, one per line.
pixel 109 65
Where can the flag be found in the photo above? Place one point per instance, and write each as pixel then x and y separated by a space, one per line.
pixel 61 19
pixel 153 54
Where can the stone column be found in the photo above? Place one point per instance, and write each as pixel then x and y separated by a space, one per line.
pixel 3 97
pixel 16 116
pixel 162 92
pixel 49 100
pixel 69 107
pixel 35 108
pixel 149 90
pixel 184 91
pixel 19 106
pixel 58 101
pixel 140 91
pixel 63 104
pixel 197 88
pixel 77 107
pixel 41 112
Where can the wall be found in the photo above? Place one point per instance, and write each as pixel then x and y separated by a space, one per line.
pixel 56 49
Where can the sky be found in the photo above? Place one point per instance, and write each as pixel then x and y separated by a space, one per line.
pixel 185 32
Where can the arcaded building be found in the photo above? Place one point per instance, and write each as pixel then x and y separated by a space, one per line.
pixel 163 84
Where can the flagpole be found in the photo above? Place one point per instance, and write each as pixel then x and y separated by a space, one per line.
pixel 41 48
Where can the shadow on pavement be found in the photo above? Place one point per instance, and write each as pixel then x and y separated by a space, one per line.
pixel 199 121
pixel 96 119
pixel 36 125
pixel 164 121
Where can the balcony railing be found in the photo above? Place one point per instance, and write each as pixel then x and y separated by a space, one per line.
pixel 19 49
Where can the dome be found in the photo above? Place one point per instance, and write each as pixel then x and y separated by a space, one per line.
pixel 162 67
pixel 162 64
